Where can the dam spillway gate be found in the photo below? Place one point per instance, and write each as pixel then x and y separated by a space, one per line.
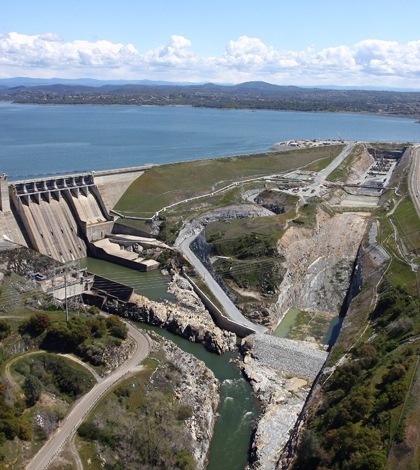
pixel 61 215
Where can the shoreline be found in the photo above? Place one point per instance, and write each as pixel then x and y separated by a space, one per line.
pixel 362 113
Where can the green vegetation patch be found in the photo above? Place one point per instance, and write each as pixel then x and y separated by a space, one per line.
pixel 307 215
pixel 400 274
pixel 320 165
pixel 262 275
pixel 234 232
pixel 145 416
pixel 53 374
pixel 166 184
pixel 408 223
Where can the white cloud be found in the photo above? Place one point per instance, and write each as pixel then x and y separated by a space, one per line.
pixel 371 61
pixel 53 37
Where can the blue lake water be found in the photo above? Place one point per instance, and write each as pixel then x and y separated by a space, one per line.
pixel 41 140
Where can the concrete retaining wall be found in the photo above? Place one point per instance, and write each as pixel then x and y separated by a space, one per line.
pixel 127 230
pixel 98 252
pixel 117 290
pixel 218 317
pixel 98 231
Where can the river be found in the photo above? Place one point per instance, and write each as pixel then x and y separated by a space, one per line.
pixel 238 409
pixel 38 141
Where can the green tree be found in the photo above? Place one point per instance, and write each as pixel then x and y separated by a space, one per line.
pixel 119 331
pixel 39 322
pixel 33 389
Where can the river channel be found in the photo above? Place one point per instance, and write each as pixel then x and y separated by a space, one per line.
pixel 238 409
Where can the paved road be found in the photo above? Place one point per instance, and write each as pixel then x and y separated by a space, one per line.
pixel 70 424
pixel 228 305
pixel 322 175
pixel 414 179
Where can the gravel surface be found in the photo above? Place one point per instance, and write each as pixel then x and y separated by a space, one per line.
pixel 288 356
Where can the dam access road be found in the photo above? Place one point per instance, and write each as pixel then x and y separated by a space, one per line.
pixel 72 421
pixel 227 304
pixel 414 178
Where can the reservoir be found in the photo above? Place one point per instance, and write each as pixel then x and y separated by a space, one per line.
pixel 39 141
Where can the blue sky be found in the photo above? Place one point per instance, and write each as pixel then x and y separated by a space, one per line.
pixel 286 42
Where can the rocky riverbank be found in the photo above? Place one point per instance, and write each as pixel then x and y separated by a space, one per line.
pixel 198 390
pixel 281 391
pixel 188 318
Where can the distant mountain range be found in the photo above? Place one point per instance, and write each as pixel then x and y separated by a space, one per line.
pixel 91 82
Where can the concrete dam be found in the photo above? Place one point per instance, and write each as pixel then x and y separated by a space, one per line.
pixel 62 217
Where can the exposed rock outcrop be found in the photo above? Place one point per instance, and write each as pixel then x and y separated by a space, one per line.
pixel 189 318
pixel 319 263
pixel 195 226
pixel 114 356
pixel 282 396
pixel 200 390
pixel 359 165
pixel 274 201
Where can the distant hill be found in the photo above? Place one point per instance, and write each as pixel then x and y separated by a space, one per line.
pixel 253 85
pixel 253 95
pixel 26 81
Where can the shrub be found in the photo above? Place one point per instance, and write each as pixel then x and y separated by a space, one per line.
pixel 396 393
pixel 122 392
pixel 87 430
pixel 396 372
pixel 184 412
pixel 119 331
pixel 5 328
pixel 94 310
pixel 38 323
pixel 400 327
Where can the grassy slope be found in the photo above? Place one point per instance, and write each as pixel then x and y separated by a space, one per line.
pixel 166 184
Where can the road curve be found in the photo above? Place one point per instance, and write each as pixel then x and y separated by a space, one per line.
pixel 71 422
pixel 227 304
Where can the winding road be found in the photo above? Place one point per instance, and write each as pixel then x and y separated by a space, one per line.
pixel 72 421
pixel 227 304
